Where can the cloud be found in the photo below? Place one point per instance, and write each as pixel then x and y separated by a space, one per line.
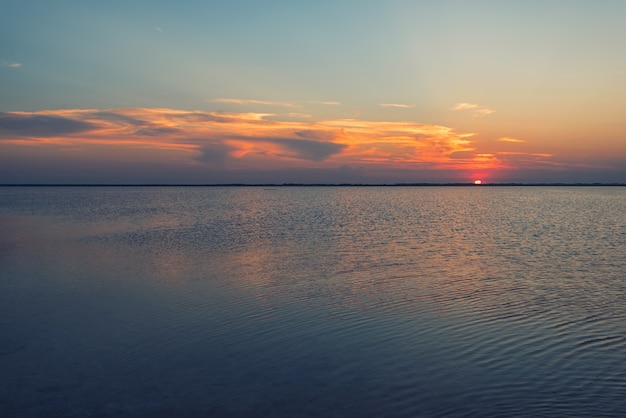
pixel 142 127
pixel 483 112
pixel 299 115
pixel 398 105
pixel 305 149
pixel 254 102
pixel 116 117
pixel 509 139
pixel 477 110
pixel 464 106
pixel 528 154
pixel 21 124
pixel 10 64
pixel 214 153
pixel 173 144
pixel 158 29
pixel 311 150
pixel 303 145
pixel 157 131
pixel 326 103
pixel 316 135
pixel 245 141
pixel 529 160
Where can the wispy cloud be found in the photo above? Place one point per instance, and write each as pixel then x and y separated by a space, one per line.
pixel 399 105
pixel 296 115
pixel 464 106
pixel 10 64
pixel 245 140
pixel 483 112
pixel 530 160
pixel 326 103
pixel 158 28
pixel 254 102
pixel 541 155
pixel 509 139
pixel 477 110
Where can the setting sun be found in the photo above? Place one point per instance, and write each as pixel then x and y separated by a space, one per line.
pixel 478 182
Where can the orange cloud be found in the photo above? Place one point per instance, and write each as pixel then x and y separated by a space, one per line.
pixel 509 139
pixel 248 140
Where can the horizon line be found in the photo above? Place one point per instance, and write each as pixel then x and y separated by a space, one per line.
pixel 416 184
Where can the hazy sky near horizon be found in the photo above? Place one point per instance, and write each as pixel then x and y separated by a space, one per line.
pixel 326 91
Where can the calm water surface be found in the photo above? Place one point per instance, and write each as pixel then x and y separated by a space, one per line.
pixel 407 301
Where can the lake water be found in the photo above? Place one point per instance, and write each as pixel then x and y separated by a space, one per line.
pixel 312 301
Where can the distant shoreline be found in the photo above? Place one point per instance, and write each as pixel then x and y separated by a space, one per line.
pixel 331 185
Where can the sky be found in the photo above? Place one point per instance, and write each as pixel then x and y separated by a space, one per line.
pixel 380 92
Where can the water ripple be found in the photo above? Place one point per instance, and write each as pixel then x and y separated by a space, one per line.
pixel 316 301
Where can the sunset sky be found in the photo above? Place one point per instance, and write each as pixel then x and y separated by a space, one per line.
pixel 356 91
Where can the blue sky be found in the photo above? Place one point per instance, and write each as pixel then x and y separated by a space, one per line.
pixel 539 88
